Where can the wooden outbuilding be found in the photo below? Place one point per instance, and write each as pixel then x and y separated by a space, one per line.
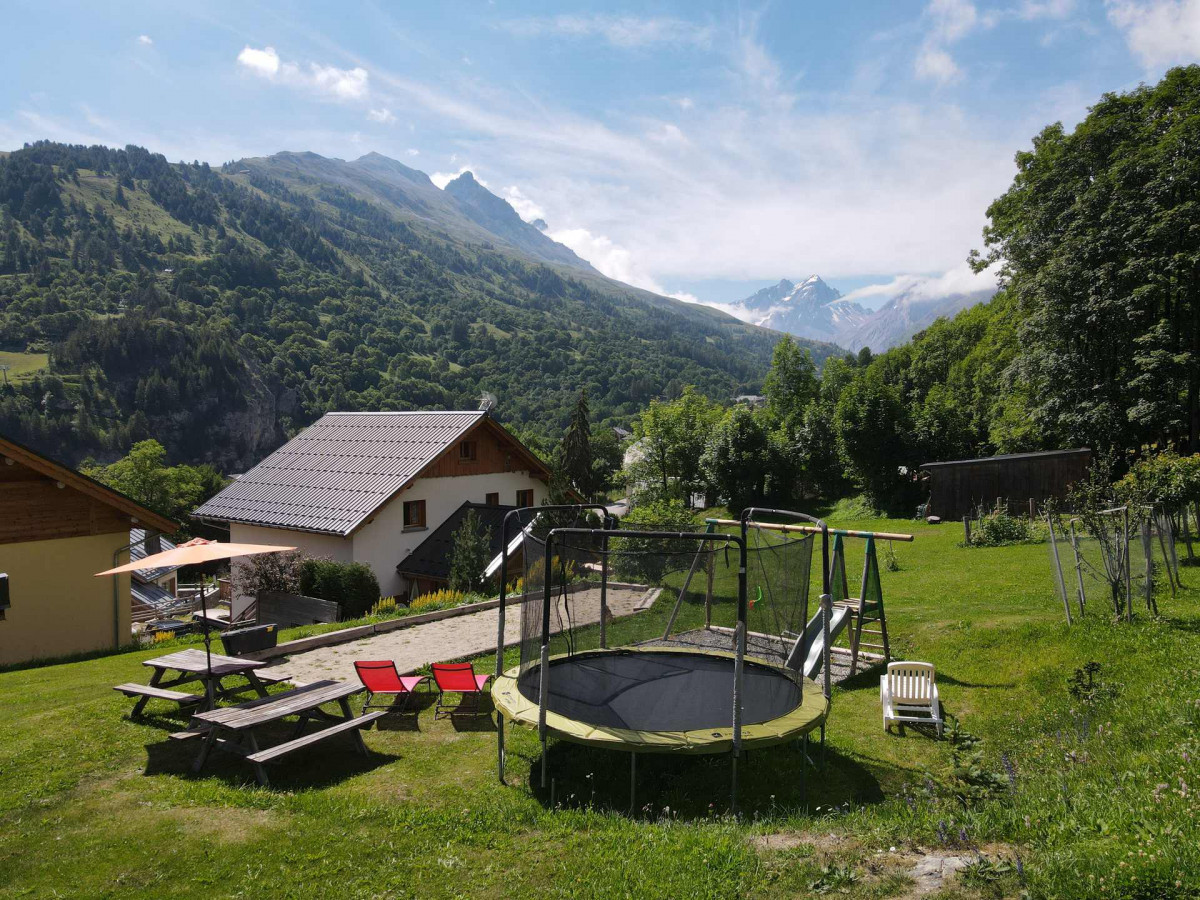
pixel 960 487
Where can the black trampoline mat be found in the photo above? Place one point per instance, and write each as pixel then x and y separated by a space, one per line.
pixel 660 691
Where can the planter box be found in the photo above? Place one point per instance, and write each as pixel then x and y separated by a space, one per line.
pixel 286 610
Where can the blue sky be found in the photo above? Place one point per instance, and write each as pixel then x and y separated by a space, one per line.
pixel 696 148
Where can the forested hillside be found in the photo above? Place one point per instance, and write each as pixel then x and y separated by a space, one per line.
pixel 218 310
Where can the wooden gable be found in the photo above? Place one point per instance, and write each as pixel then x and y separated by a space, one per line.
pixel 493 450
pixel 41 500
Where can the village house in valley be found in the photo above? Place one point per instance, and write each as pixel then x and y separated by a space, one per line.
pixel 372 487
pixel 58 528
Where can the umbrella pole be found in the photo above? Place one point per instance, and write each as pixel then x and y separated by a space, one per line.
pixel 209 697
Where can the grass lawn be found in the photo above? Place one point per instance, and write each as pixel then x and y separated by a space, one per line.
pixel 22 365
pixel 1096 799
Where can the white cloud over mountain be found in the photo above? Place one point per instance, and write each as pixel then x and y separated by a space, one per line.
pixel 323 80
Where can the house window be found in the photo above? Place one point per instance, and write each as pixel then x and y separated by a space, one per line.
pixel 466 451
pixel 525 498
pixel 492 499
pixel 414 514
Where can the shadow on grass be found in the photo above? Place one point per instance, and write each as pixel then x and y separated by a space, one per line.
pixel 1188 624
pixel 772 781
pixel 321 765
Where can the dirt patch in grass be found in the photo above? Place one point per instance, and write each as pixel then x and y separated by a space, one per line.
pixel 224 825
pixel 823 841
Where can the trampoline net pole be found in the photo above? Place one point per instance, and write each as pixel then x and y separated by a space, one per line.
pixel 544 669
pixel 702 550
pixel 604 586
pixel 500 640
pixel 739 664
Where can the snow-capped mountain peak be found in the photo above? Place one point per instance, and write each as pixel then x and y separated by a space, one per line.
pixel 810 309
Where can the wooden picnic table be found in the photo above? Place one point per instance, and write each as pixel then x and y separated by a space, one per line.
pixel 232 728
pixel 192 665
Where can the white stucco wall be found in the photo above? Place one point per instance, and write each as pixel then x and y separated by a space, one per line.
pixel 383 542
pixel 327 545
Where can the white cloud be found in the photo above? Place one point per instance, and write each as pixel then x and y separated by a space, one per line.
pixel 145 40
pixel 935 64
pixel 382 116
pixel 527 209
pixel 1031 10
pixel 1159 32
pixel 959 280
pixel 413 151
pixel 620 31
pixel 323 80
pixel 441 179
pixel 686 102
pixel 949 22
pixel 952 19
pixel 263 62
pixel 608 257
pixel 769 180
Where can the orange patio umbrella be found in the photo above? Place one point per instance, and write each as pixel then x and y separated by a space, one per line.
pixel 195 551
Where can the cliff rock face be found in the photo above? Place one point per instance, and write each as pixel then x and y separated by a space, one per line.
pixel 241 438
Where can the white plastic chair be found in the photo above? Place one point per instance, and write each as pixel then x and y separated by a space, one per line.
pixel 909 693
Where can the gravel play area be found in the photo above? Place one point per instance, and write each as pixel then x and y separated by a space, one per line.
pixel 445 639
pixel 760 645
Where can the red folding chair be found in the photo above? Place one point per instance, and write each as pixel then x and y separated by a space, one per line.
pixel 458 678
pixel 381 677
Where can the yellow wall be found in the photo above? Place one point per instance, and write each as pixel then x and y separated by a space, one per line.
pixel 58 607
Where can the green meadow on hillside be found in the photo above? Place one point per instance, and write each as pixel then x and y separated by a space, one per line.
pixel 1070 796
pixel 22 365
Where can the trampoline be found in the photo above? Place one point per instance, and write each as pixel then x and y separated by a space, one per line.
pixel 645 697
pixel 662 700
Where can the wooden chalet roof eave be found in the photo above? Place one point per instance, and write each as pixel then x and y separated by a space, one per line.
pixel 43 465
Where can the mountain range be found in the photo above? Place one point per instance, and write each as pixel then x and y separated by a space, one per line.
pixel 812 309
pixel 220 309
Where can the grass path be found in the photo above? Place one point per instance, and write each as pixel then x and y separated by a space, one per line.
pixel 1097 800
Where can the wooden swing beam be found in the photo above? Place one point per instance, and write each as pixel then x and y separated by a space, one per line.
pixel 812 529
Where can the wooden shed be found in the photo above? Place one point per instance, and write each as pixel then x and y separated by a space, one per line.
pixel 959 487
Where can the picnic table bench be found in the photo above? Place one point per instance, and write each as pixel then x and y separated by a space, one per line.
pixel 232 728
pixel 192 665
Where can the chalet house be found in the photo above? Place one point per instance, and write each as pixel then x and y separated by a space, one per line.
pixel 57 529
pixel 371 487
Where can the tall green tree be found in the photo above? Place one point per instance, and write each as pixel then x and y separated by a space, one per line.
pixel 145 476
pixel 739 459
pixel 577 449
pixel 671 437
pixel 871 423
pixel 1096 238
pixel 468 554
pixel 792 382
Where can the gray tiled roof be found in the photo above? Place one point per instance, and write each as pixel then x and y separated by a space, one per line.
pixel 337 472
pixel 137 550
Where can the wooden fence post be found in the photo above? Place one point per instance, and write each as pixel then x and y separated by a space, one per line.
pixel 967 529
